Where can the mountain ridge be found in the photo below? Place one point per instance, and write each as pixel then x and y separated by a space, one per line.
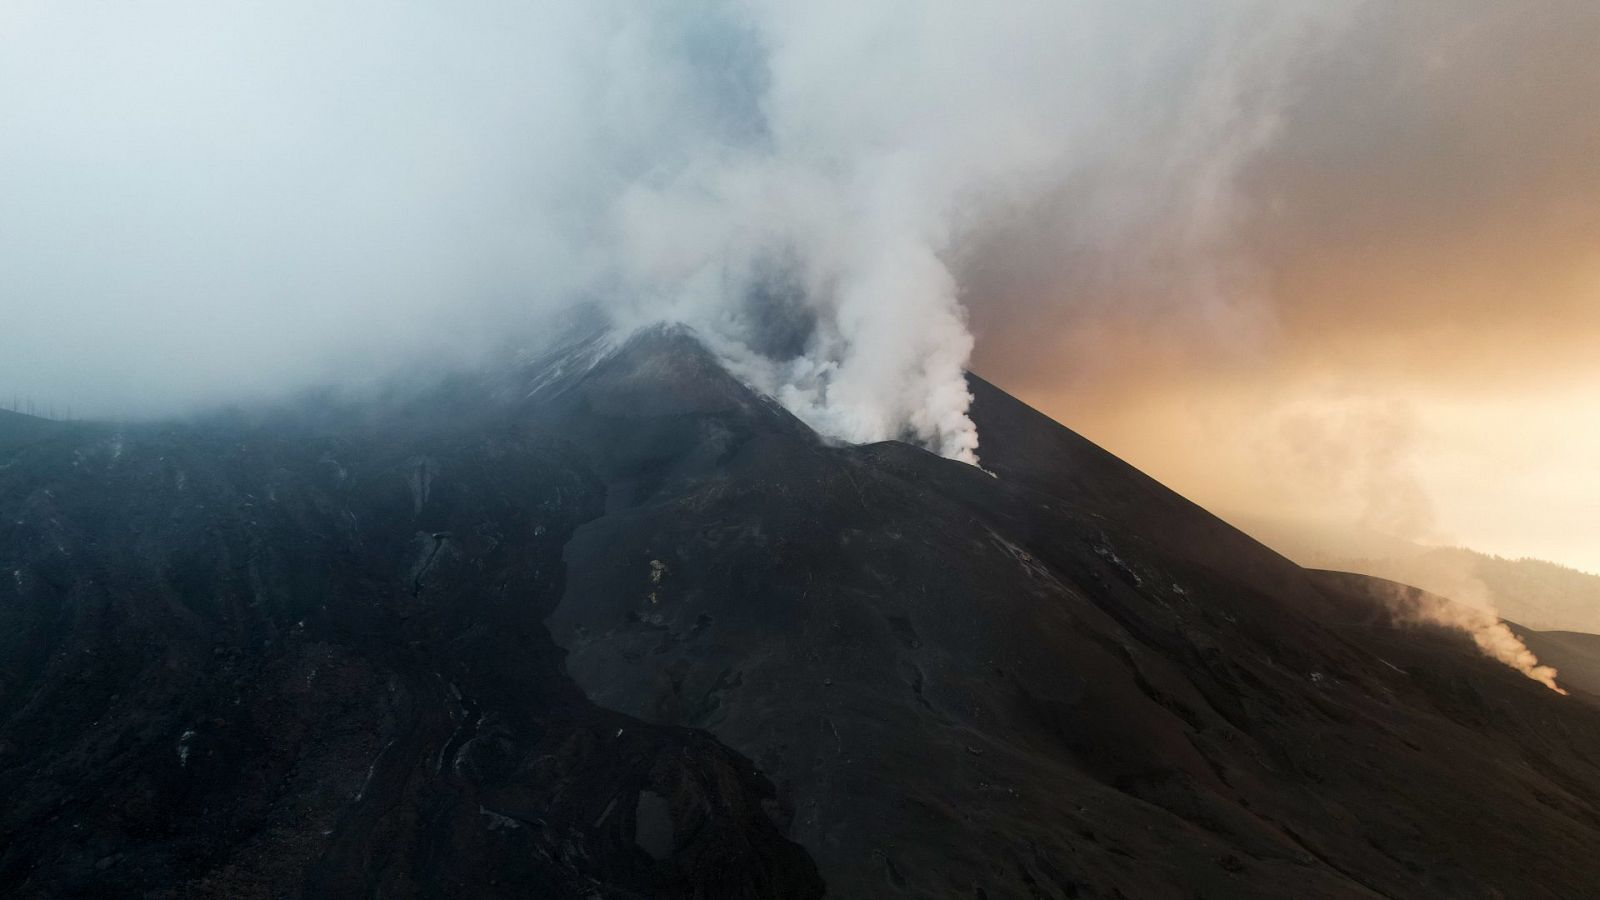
pixel 618 626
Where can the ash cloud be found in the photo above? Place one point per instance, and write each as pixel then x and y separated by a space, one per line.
pixel 205 203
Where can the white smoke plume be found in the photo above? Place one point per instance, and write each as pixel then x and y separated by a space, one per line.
pixel 1469 609
pixel 228 198
pixel 891 135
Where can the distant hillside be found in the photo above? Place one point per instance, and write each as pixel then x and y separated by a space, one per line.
pixel 1538 594
pixel 19 429
pixel 1535 593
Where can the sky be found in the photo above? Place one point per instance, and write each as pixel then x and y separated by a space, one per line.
pixel 1334 261
pixel 1422 234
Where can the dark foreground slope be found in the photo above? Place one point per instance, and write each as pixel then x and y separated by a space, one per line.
pixel 631 631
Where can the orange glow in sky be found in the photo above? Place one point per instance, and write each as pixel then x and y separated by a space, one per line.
pixel 1411 341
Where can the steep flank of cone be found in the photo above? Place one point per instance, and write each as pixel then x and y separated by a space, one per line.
pixel 603 622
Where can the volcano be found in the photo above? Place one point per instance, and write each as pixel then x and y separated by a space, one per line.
pixel 604 623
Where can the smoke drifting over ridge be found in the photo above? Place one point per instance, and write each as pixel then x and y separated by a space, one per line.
pixel 1470 609
pixel 204 203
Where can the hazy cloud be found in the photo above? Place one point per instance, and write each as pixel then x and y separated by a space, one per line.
pixel 199 203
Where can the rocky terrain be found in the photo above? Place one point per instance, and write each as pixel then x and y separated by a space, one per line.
pixel 606 624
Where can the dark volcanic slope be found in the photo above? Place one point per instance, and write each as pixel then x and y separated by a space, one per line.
pixel 304 656
pixel 1575 653
pixel 320 653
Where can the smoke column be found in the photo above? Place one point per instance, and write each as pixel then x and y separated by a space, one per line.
pixel 819 246
pixel 1468 609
